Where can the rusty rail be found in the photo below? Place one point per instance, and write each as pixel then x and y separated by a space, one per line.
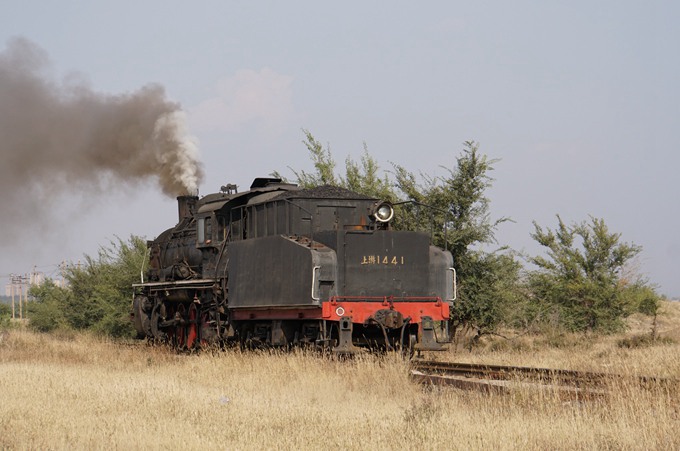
pixel 498 378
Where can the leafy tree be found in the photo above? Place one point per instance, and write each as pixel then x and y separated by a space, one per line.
pixel 366 180
pixel 416 212
pixel 459 214
pixel 579 281
pixel 489 292
pixel 323 163
pixel 458 197
pixel 363 178
pixel 5 315
pixel 47 313
pixel 98 293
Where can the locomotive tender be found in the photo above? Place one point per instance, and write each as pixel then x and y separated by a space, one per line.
pixel 279 265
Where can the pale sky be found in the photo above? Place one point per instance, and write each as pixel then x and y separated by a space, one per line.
pixel 579 100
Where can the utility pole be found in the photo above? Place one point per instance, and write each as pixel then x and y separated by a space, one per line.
pixel 16 281
pixel 25 281
pixel 21 296
pixel 11 289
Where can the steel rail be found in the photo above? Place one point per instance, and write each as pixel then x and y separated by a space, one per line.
pixel 501 378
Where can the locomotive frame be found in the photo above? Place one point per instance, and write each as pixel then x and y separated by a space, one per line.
pixel 278 265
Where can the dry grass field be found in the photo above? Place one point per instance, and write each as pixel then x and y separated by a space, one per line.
pixel 80 392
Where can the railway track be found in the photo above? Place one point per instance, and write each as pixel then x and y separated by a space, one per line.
pixel 502 379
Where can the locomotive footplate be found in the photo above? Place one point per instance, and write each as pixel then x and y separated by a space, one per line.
pixel 176 284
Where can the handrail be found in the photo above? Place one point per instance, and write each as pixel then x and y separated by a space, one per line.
pixel 314 271
pixel 147 254
pixel 455 286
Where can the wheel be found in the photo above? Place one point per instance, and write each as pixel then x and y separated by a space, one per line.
pixel 156 317
pixel 139 316
pixel 412 341
pixel 180 328
pixel 208 333
pixel 170 331
pixel 192 327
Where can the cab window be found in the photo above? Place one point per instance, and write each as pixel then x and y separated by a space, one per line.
pixel 201 231
pixel 221 231
pixel 208 230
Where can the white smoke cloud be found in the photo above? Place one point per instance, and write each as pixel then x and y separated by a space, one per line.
pixel 249 96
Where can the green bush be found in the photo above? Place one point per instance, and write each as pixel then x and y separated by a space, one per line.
pixel 98 293
pixel 579 280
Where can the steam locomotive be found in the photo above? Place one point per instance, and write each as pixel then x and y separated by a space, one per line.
pixel 279 265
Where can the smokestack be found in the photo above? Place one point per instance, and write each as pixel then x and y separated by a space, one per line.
pixel 186 206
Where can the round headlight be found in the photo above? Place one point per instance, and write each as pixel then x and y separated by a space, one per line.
pixel 384 212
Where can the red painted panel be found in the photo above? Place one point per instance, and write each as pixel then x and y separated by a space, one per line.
pixel 360 309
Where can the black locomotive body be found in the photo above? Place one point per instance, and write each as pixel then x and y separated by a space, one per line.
pixel 279 265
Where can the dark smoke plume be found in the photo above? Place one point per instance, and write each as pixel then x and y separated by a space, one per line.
pixel 56 138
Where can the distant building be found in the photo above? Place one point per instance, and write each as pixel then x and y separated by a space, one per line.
pixel 36 278
pixel 25 282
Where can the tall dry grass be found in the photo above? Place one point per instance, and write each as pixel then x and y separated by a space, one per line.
pixel 79 392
